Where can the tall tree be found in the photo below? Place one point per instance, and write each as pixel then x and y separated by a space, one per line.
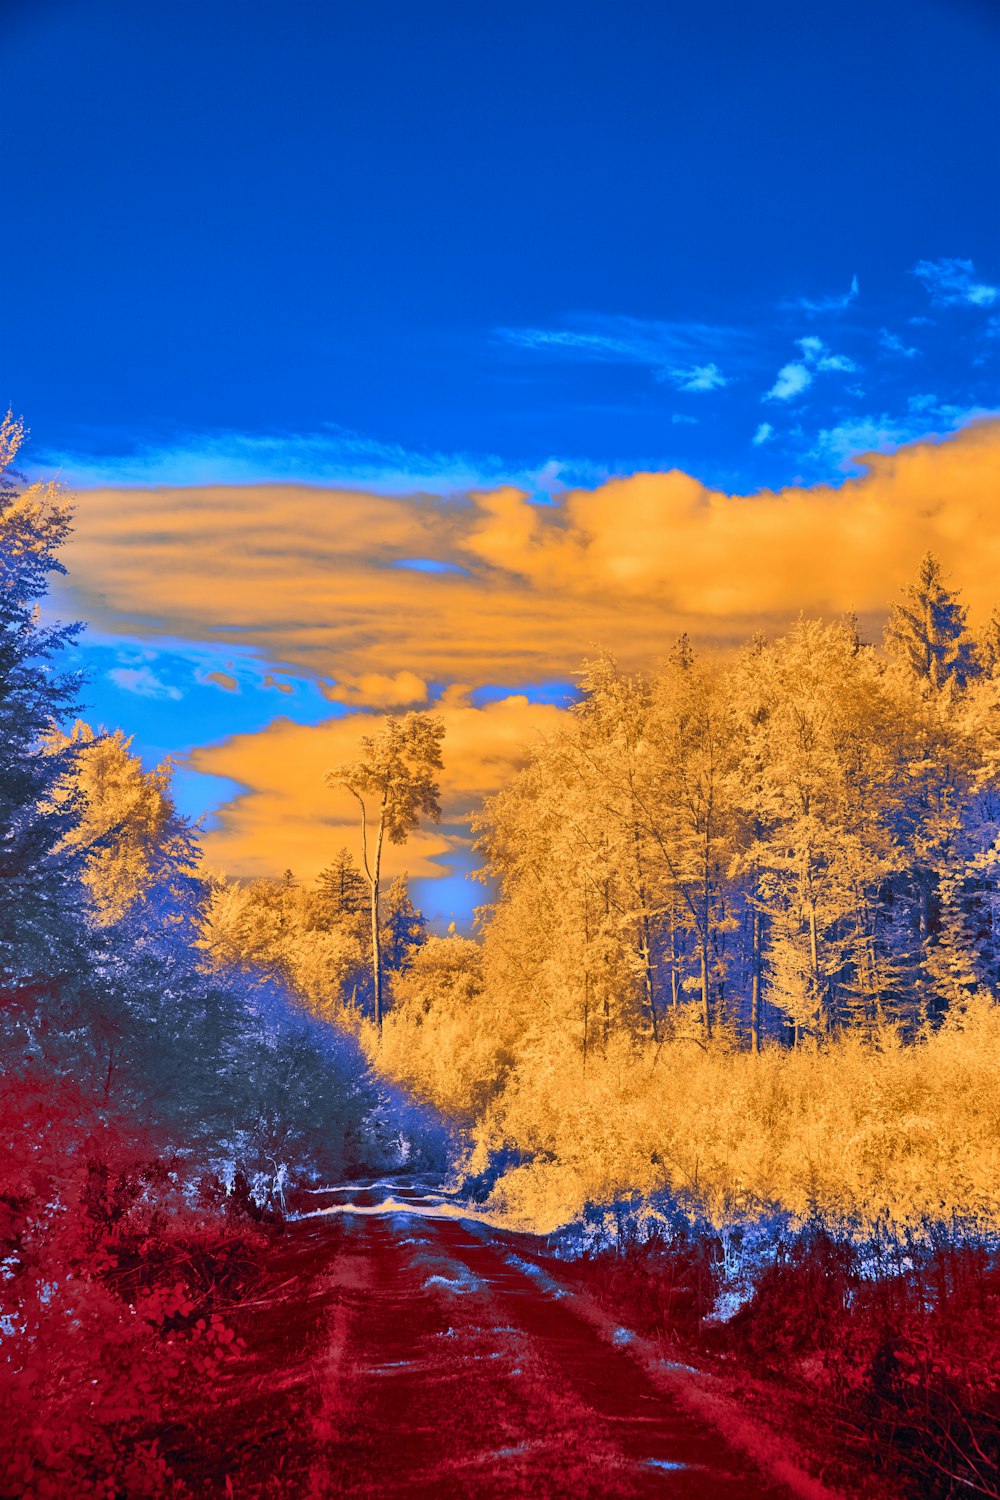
pixel 41 897
pixel 396 774
pixel 928 631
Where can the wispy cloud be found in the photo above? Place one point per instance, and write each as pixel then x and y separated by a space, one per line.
pixel 841 444
pixel 797 375
pixel 817 305
pixel 793 379
pixel 844 443
pixel 893 344
pixel 699 378
pixel 763 434
pixel 678 353
pixel 332 456
pixel 951 282
pixel 144 682
pixel 816 353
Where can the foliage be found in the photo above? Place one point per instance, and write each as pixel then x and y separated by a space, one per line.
pixel 40 893
pixel 396 773
pixel 114 1288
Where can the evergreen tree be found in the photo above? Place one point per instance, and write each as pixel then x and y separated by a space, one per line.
pixel 42 903
pixel 341 889
pixel 928 631
pixel 403 927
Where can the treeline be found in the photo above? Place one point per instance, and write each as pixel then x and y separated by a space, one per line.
pixel 744 944
pixel 786 843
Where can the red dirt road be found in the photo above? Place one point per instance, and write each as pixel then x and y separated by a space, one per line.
pixel 414 1356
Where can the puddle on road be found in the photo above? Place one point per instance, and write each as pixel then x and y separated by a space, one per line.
pixel 417 1209
pixel 459 1284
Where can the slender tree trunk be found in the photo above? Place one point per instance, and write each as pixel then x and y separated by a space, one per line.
pixel 586 975
pixel 645 942
pixel 814 958
pixel 607 976
pixel 706 910
pixel 755 986
pixel 924 897
pixel 376 936
pixel 674 988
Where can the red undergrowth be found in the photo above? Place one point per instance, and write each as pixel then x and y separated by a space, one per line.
pixel 116 1290
pixel 893 1377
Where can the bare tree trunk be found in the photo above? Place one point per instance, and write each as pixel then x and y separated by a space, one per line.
pixel 586 975
pixel 706 909
pixel 376 936
pixel 607 977
pixel 755 986
pixel 645 941
pixel 674 990
pixel 814 959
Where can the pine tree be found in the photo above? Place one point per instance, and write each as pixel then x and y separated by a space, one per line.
pixel 42 923
pixel 341 889
pixel 928 632
pixel 404 928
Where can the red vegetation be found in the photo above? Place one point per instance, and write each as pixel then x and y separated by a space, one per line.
pixel 115 1291
pixel 896 1372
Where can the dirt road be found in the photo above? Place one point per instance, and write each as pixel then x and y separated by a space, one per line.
pixel 400 1349
pixel 436 1360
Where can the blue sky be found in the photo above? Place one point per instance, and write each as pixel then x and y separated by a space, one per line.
pixel 438 247
pixel 442 244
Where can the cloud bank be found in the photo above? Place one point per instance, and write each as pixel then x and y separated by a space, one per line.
pixel 307 580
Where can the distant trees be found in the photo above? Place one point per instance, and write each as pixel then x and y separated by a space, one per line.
pixel 395 772
pixel 341 889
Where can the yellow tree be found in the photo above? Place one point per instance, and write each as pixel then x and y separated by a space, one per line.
pixel 134 840
pixel 686 798
pixel 822 747
pixel 394 783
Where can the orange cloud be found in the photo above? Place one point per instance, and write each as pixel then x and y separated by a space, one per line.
pixel 317 581
pixel 312 577
pixel 377 690
pixel 223 680
pixel 288 817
